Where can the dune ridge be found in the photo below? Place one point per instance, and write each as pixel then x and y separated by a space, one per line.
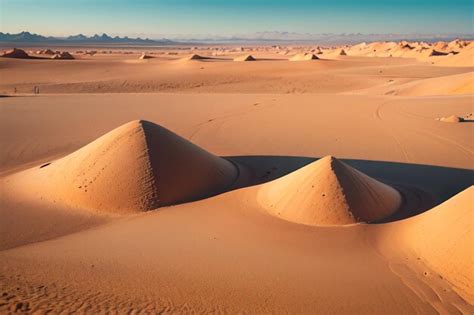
pixel 304 57
pixel 63 55
pixel 145 56
pixel 194 57
pixel 244 58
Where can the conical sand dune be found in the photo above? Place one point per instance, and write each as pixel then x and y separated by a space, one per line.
pixel 194 57
pixel 145 56
pixel 63 55
pixel 46 52
pixel 244 58
pixel 328 192
pixel 304 57
pixel 451 119
pixel 433 52
pixel 136 167
pixel 16 53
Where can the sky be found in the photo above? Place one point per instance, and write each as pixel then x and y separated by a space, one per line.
pixel 170 18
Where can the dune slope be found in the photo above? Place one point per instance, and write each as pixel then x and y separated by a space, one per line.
pixel 136 167
pixel 442 238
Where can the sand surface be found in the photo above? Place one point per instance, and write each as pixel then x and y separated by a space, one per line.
pixel 270 186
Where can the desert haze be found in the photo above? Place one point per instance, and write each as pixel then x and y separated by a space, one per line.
pixel 226 179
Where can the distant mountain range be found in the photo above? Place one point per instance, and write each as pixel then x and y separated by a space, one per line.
pixel 27 37
pixel 319 38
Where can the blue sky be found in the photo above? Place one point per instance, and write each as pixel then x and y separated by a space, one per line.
pixel 218 17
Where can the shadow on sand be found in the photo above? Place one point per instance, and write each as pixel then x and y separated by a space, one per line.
pixel 422 186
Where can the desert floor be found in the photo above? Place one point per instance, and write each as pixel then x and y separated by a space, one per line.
pixel 227 252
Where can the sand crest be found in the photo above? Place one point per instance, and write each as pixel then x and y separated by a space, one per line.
pixel 149 165
pixel 63 55
pixel 328 192
pixel 304 57
pixel 46 52
pixel 194 57
pixel 245 58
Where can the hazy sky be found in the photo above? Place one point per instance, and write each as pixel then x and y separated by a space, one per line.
pixel 220 17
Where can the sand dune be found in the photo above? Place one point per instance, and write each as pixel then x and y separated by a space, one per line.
pixel 457 84
pixel 151 166
pixel 245 58
pixel 449 85
pixel 63 55
pixel 304 57
pixel 194 57
pixel 442 237
pixel 47 52
pixel 418 50
pixel 464 58
pixel 329 192
pixel 16 53
pixel 145 56
pixel 451 119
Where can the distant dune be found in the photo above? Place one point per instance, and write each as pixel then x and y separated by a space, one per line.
pixel 304 57
pixel 244 58
pixel 16 53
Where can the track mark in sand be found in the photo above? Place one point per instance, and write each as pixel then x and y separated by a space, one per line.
pixel 430 134
pixel 378 116
pixel 431 288
pixel 222 119
pixel 465 151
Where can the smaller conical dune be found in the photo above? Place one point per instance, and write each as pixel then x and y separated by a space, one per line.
pixel 245 58
pixel 194 57
pixel 451 119
pixel 145 56
pixel 434 52
pixel 304 57
pixel 442 46
pixel 63 55
pixel 406 46
pixel 48 52
pixel 328 192
pixel 16 53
